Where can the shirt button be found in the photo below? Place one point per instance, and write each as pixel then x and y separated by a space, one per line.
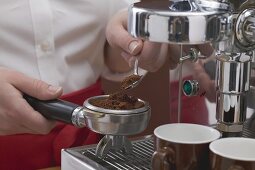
pixel 45 46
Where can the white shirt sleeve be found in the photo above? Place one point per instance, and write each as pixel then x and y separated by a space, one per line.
pixel 59 42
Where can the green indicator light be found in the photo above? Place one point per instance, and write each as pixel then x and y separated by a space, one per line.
pixel 187 88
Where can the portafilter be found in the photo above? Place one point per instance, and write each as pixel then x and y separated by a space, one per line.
pixel 115 124
pixel 100 120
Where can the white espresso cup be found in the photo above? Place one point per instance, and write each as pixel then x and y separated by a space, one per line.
pixel 234 153
pixel 181 146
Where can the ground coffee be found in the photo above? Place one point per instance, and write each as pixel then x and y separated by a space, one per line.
pixel 129 81
pixel 117 101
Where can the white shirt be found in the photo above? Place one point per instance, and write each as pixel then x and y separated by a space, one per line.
pixel 58 41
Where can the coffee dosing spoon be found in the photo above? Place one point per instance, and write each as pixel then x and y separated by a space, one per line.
pixel 132 80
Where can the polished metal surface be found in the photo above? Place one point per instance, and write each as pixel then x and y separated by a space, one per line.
pixel 233 83
pixel 135 83
pixel 176 21
pixel 84 157
pixel 251 97
pixel 227 24
pixel 240 32
pixel 245 29
pixel 78 119
pixel 251 93
pixel 194 87
pixel 113 142
pixel 231 108
pixel 234 69
pixel 233 72
pixel 193 56
pixel 112 122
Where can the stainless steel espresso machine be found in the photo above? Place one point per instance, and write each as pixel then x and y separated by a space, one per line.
pixel 227 25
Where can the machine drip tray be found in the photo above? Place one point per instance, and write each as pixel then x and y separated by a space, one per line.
pixel 139 159
pixel 83 158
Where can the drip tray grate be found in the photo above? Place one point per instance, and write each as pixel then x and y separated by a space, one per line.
pixel 139 159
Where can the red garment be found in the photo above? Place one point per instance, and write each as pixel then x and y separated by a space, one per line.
pixel 30 152
pixel 194 109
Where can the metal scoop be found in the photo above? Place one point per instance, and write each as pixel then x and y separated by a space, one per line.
pixel 132 80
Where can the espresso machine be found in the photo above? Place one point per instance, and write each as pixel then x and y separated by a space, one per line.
pixel 228 26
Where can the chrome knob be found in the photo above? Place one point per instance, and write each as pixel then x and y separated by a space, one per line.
pixel 245 29
pixel 190 87
pixel 193 55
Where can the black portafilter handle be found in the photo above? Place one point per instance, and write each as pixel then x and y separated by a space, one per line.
pixel 53 109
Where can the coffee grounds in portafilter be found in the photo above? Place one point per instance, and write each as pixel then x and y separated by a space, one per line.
pixel 117 101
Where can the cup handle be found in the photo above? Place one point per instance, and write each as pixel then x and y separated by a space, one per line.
pixel 164 159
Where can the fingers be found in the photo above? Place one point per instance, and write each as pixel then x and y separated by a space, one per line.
pixel 153 56
pixel 206 49
pixel 117 35
pixel 16 130
pixel 17 116
pixel 174 52
pixel 12 129
pixel 33 87
pixel 30 119
pixel 128 58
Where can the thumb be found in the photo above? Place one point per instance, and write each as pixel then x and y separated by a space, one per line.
pixel 125 42
pixel 118 36
pixel 34 87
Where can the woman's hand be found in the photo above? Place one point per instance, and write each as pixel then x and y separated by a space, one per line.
pixel 151 55
pixel 16 115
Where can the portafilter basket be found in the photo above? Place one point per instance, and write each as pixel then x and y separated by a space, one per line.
pixel 100 120
pixel 114 124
